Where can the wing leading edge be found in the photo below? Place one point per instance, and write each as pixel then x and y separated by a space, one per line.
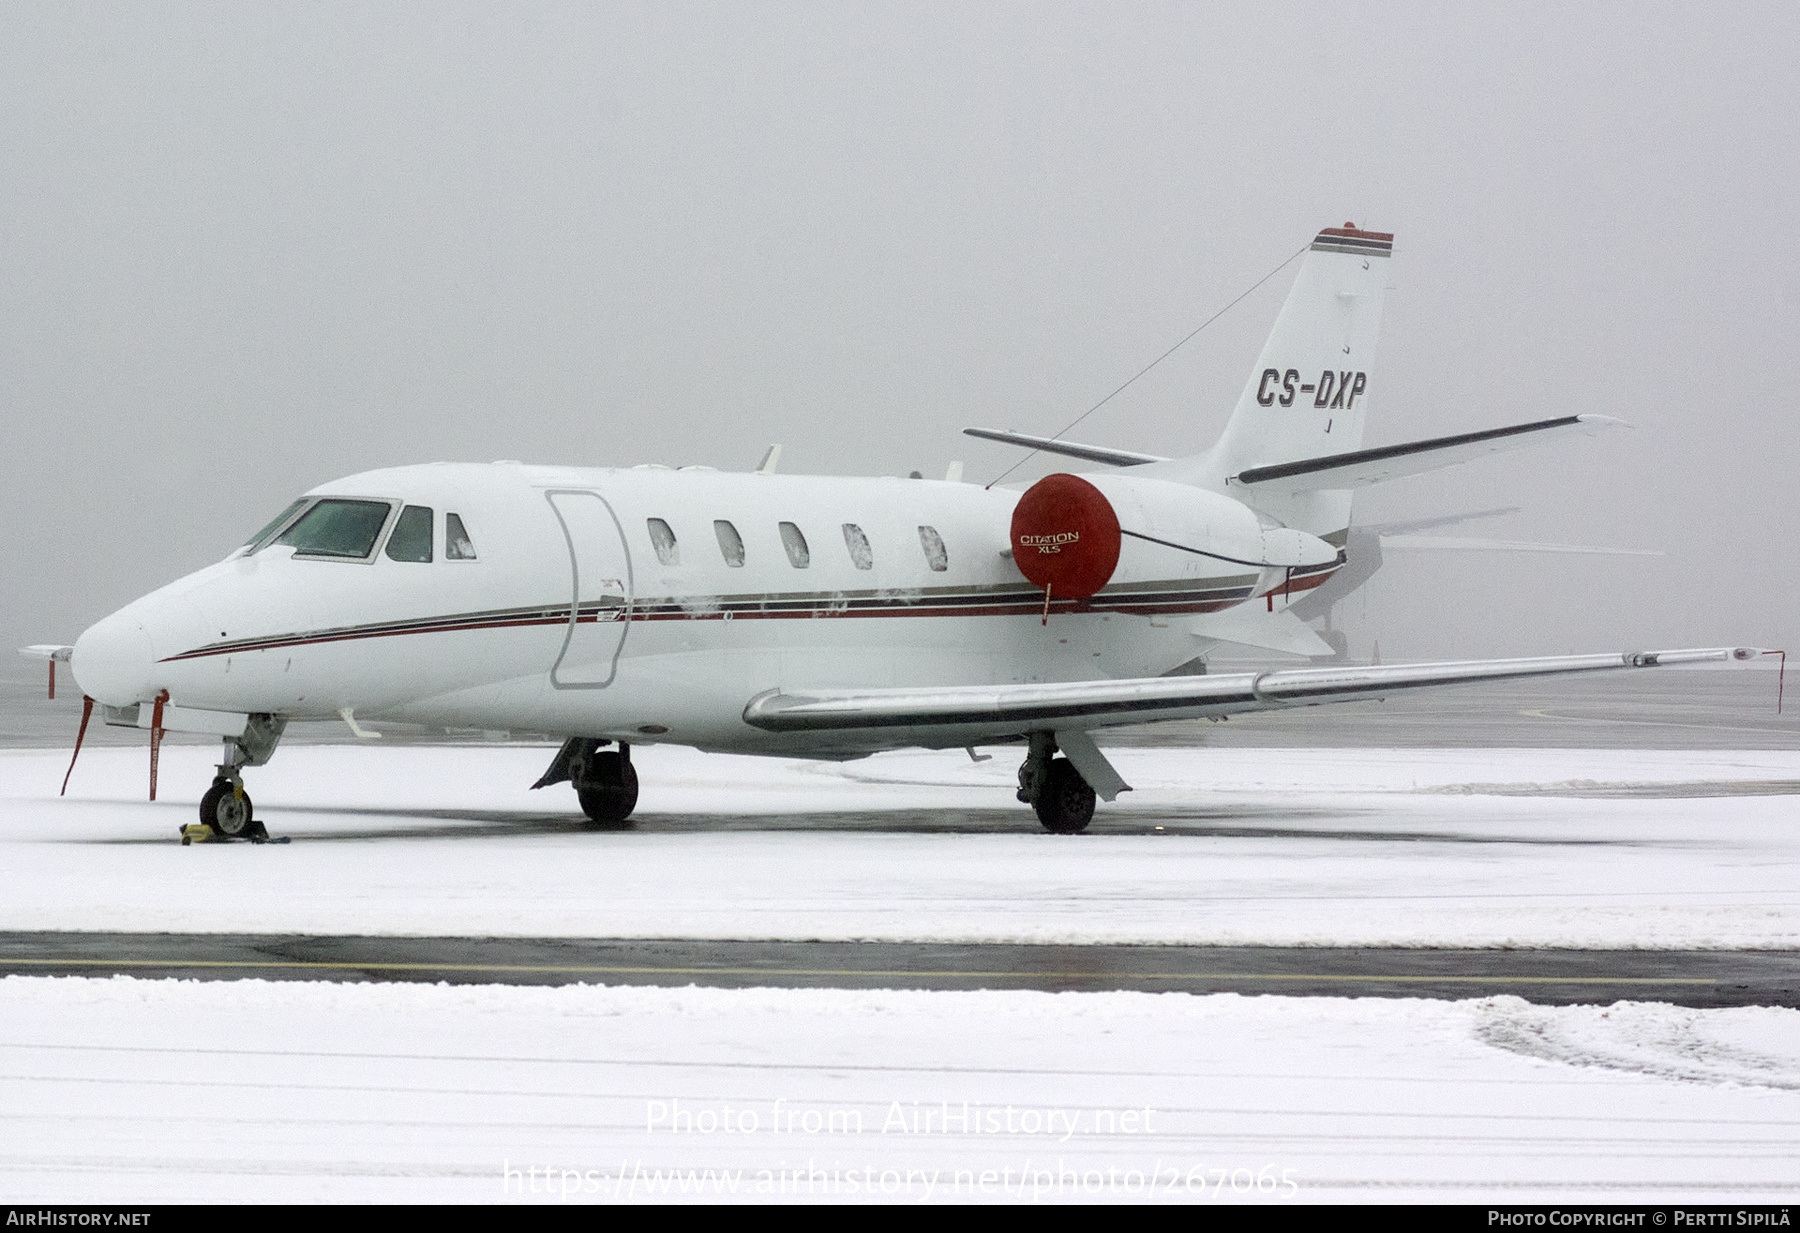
pixel 1014 709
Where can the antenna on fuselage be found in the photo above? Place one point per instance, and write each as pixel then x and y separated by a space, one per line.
pixel 769 461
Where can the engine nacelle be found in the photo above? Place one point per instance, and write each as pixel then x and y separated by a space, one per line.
pixel 1075 534
pixel 1065 536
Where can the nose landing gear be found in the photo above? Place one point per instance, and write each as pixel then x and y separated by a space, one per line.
pixel 225 810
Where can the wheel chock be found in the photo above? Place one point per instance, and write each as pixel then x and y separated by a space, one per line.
pixel 200 832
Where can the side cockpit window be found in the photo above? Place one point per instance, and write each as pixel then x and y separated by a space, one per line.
pixel 338 528
pixel 411 536
pixel 457 544
pixel 662 538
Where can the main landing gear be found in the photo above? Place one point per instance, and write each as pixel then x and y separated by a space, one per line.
pixel 1053 788
pixel 604 781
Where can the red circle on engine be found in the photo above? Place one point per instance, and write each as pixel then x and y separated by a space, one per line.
pixel 1065 536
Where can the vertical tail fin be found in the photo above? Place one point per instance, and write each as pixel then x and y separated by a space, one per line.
pixel 1311 386
pixel 1313 382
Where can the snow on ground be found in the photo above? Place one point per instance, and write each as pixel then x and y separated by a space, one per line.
pixel 130 1091
pixel 1330 847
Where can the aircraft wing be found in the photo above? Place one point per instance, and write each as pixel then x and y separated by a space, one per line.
pixel 1084 705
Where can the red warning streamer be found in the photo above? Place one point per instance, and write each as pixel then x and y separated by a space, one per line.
pixel 156 735
pixel 87 711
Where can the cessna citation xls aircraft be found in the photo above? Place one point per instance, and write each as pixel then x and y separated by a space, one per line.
pixel 803 616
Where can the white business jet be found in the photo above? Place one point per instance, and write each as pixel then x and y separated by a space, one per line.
pixel 803 616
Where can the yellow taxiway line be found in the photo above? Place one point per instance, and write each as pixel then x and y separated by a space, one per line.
pixel 599 970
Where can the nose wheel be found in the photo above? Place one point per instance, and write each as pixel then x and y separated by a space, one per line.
pixel 227 810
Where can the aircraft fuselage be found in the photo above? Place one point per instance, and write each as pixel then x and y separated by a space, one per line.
pixel 576 613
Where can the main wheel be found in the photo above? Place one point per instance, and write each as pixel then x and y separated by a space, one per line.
pixel 1065 803
pixel 227 810
pixel 609 797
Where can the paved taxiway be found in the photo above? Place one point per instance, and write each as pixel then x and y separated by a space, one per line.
pixel 1554 977
pixel 1692 710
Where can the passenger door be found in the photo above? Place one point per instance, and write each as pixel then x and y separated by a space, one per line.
pixel 600 591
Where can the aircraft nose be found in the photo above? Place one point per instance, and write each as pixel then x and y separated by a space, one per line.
pixel 113 661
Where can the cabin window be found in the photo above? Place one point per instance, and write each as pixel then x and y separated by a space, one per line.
pixel 410 540
pixel 861 555
pixel 335 528
pixel 795 543
pixel 457 544
pixel 731 544
pixel 663 539
pixel 936 555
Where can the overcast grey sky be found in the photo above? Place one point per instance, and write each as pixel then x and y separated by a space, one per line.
pixel 248 248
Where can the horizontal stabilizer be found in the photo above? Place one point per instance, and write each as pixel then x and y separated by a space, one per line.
pixel 1452 543
pixel 960 713
pixel 56 654
pixel 1250 625
pixel 1363 467
pixel 1090 453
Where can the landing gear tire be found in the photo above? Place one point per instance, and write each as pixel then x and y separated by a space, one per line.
pixel 227 810
pixel 1065 802
pixel 609 796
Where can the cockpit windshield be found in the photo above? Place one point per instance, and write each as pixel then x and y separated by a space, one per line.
pixel 337 528
pixel 261 538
